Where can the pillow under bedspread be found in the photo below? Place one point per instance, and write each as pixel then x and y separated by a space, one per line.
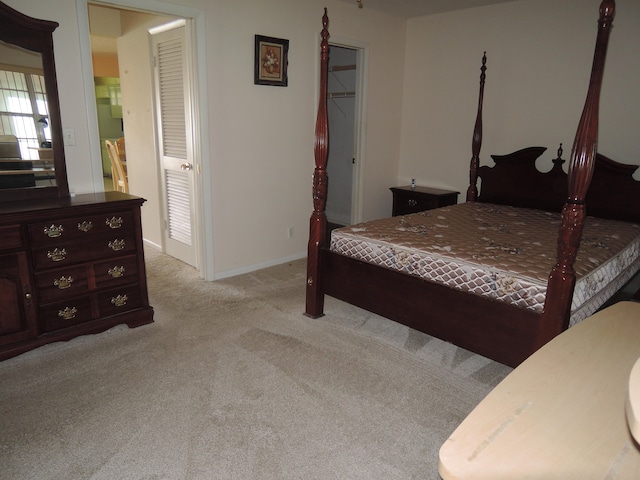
pixel 501 252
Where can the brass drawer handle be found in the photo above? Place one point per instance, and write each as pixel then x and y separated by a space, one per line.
pixel 63 282
pixel 114 222
pixel 85 226
pixel 68 313
pixel 57 255
pixel 116 245
pixel 54 231
pixel 412 202
pixel 116 272
pixel 120 300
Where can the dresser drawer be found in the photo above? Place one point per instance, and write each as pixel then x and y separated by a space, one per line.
pixel 66 253
pixel 62 282
pixel 10 237
pixel 66 313
pixel 118 300
pixel 69 229
pixel 116 271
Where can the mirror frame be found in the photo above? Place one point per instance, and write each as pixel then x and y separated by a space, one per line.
pixel 37 35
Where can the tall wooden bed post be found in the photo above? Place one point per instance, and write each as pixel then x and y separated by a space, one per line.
pixel 476 144
pixel 562 279
pixel 318 221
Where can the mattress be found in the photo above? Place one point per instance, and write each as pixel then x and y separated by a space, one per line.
pixel 500 252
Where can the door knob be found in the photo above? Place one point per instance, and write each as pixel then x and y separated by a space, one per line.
pixel 185 167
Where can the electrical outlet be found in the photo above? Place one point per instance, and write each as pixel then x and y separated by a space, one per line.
pixel 69 135
pixel 290 232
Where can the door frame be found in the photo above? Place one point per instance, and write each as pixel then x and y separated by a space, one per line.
pixel 362 62
pixel 202 181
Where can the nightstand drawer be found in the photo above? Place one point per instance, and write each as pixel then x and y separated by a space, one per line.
pixel 412 200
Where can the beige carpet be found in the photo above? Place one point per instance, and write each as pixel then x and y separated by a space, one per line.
pixel 233 382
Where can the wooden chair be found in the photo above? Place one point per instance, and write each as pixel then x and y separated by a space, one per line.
pixel 119 176
pixel 122 153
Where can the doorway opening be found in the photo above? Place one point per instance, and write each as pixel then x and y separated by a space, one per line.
pixel 123 63
pixel 344 109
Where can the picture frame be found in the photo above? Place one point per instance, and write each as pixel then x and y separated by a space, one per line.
pixel 271 61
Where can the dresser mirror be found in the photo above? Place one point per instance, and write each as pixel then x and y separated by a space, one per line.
pixel 32 163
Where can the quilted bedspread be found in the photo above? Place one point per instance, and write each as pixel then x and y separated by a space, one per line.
pixel 501 252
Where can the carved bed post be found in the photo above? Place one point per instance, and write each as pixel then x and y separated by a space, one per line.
pixel 472 191
pixel 318 221
pixel 555 316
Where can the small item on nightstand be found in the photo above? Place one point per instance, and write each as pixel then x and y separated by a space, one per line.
pixel 413 184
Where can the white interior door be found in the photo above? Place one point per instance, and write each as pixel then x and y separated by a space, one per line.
pixel 174 125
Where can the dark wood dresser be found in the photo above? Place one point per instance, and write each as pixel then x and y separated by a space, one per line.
pixel 416 199
pixel 70 266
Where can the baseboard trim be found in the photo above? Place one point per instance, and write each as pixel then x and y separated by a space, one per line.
pixel 258 266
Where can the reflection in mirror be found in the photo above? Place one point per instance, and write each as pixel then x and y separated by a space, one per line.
pixel 32 163
pixel 25 136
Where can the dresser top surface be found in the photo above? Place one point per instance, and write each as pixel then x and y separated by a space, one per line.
pixel 107 199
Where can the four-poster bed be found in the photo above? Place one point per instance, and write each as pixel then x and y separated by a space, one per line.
pixel 503 326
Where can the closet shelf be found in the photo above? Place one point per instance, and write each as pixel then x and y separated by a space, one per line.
pixel 341 94
pixel 340 68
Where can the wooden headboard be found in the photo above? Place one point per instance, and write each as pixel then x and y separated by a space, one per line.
pixel 613 192
pixel 533 189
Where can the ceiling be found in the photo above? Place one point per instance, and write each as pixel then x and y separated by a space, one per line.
pixel 418 8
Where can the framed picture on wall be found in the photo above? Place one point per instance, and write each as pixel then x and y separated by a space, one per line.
pixel 271 60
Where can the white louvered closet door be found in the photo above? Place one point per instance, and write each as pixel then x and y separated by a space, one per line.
pixel 175 139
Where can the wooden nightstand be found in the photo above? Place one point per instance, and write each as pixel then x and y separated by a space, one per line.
pixel 411 200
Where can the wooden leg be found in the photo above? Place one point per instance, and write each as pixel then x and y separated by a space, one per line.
pixel 315 294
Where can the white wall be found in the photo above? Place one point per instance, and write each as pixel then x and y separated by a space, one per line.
pixel 261 137
pixel 539 58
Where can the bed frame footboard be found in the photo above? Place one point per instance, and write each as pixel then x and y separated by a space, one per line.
pixel 496 330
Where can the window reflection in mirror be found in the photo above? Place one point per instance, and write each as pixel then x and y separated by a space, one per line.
pixel 25 134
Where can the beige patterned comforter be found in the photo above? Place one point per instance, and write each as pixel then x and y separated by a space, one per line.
pixel 500 252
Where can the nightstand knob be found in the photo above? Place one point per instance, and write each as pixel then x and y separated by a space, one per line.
pixel 412 202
